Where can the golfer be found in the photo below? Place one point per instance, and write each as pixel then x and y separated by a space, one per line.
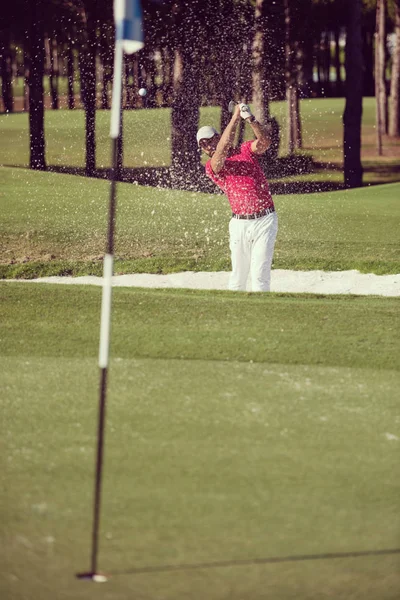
pixel 254 223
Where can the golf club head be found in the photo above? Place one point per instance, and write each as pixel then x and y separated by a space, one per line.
pixel 231 106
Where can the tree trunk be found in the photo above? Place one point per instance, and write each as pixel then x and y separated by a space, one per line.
pixel 327 62
pixel 6 72
pixel 135 71
pixel 106 51
pixel 308 67
pixel 150 72
pixel 243 16
pixel 186 102
pixel 35 11
pixel 394 116
pixel 268 19
pixel 185 116
pixel 291 103
pixel 318 61
pixel 368 52
pixel 26 77
pixel 293 118
pixel 70 74
pixel 354 89
pixel 227 59
pixel 338 66
pixel 168 78
pixel 380 83
pixel 297 123
pixel 88 85
pixel 129 87
pixel 54 72
pixel 260 90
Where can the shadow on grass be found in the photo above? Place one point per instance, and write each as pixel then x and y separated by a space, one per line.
pixel 383 170
pixel 255 561
pixel 197 181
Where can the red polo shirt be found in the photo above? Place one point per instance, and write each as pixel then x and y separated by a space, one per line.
pixel 243 181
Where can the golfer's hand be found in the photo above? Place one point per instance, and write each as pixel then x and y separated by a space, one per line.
pixel 245 111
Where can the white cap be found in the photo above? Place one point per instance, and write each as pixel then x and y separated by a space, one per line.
pixel 205 133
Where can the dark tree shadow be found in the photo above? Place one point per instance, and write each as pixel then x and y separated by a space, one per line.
pixel 197 181
pixel 383 170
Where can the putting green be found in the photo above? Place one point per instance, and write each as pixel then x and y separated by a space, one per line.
pixel 212 469
pixel 252 445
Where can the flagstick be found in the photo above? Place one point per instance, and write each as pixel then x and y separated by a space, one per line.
pixel 105 324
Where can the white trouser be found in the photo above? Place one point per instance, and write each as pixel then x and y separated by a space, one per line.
pixel 252 244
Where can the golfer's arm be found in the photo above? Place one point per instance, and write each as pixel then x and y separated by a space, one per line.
pixel 262 141
pixel 224 144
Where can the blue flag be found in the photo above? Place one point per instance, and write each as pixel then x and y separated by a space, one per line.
pixel 128 24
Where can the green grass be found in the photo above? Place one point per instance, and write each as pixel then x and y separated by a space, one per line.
pixel 147 136
pixel 241 427
pixel 206 325
pixel 56 224
pixel 18 86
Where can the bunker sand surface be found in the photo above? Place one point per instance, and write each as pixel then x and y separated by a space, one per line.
pixel 284 281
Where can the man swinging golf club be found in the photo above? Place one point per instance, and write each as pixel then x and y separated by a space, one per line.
pixel 254 223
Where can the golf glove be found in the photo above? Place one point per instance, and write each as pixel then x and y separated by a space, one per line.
pixel 245 111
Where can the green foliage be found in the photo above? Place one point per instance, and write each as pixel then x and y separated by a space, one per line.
pixel 369 5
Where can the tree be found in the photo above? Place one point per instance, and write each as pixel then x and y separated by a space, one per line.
pixel 189 45
pixel 394 115
pixel 63 25
pixel 338 66
pixel 291 77
pixel 380 79
pixel 354 90
pixel 268 21
pixel 368 32
pixel 70 73
pixel 54 71
pixel 35 37
pixel 226 28
pixel 261 93
pixel 88 82
pixel 6 69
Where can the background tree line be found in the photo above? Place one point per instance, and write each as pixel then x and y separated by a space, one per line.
pixel 206 52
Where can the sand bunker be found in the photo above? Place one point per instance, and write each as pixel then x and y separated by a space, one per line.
pixel 315 282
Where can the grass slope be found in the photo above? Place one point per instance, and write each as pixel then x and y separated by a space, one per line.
pixel 240 428
pixel 56 224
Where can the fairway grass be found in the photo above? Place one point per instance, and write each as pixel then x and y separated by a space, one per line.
pixel 55 224
pixel 147 137
pixel 241 429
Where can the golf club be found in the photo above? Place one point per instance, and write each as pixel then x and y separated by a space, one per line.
pixel 231 106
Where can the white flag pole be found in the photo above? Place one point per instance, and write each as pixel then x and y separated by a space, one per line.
pixel 128 38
